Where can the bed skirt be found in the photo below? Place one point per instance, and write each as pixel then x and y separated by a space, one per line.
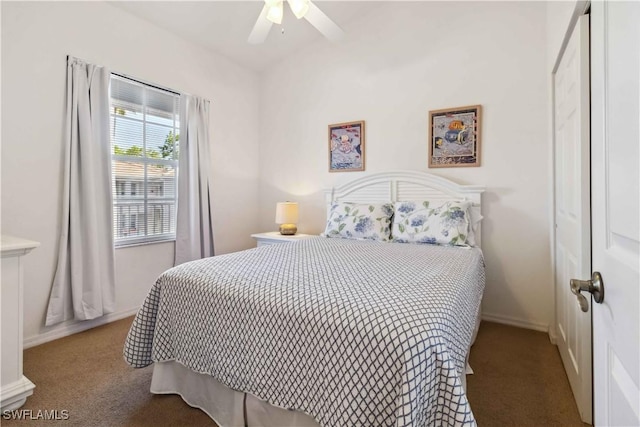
pixel 222 404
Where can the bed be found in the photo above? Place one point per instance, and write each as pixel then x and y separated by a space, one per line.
pixel 323 331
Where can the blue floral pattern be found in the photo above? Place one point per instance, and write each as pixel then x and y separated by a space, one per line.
pixel 443 223
pixel 360 221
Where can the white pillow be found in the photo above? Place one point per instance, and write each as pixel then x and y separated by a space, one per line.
pixel 360 221
pixel 443 223
pixel 473 227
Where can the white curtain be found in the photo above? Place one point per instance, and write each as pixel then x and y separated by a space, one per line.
pixel 84 284
pixel 194 233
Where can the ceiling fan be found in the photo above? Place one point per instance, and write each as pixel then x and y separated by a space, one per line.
pixel 272 14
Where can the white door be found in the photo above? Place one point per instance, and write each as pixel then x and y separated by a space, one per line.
pixel 615 153
pixel 572 219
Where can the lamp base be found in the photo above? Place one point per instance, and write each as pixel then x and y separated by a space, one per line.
pixel 288 229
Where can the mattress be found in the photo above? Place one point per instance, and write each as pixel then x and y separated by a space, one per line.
pixel 348 332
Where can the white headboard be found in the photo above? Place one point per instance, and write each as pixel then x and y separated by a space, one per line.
pixel 398 186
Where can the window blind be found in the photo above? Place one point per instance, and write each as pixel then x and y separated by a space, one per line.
pixel 145 138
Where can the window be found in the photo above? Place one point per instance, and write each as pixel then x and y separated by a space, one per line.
pixel 145 138
pixel 155 188
pixel 134 223
pixel 119 188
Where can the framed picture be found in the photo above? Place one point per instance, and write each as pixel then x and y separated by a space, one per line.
pixel 454 137
pixel 346 147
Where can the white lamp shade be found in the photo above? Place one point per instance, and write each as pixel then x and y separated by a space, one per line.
pixel 287 213
pixel 299 7
pixel 274 14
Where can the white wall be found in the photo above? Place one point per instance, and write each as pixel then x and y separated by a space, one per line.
pixel 36 37
pixel 399 62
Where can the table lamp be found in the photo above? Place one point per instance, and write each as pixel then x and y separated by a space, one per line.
pixel 287 217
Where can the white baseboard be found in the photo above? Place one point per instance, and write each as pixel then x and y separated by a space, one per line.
pixel 552 336
pixel 513 321
pixel 13 395
pixel 74 328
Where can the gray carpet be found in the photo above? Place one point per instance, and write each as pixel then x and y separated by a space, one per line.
pixel 519 381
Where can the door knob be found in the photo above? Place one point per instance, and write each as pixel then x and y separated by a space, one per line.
pixel 595 286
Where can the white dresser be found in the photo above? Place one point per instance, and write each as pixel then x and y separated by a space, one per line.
pixel 15 387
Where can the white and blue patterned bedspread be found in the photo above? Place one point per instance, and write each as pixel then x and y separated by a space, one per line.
pixel 354 333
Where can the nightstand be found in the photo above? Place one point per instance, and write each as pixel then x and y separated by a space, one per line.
pixel 274 237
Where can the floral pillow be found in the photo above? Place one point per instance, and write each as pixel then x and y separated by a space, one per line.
pixel 360 221
pixel 443 223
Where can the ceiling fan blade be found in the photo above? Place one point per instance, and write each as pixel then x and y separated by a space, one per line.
pixel 321 21
pixel 261 28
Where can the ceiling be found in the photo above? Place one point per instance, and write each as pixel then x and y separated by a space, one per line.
pixel 224 26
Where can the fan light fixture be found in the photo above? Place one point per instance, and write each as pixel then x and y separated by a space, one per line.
pixel 272 12
pixel 276 9
pixel 299 7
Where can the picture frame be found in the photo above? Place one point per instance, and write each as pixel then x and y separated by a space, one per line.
pixel 347 147
pixel 454 137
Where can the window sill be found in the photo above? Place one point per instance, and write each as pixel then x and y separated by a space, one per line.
pixel 134 243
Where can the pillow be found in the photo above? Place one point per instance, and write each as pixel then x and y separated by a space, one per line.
pixel 360 221
pixel 475 219
pixel 442 223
